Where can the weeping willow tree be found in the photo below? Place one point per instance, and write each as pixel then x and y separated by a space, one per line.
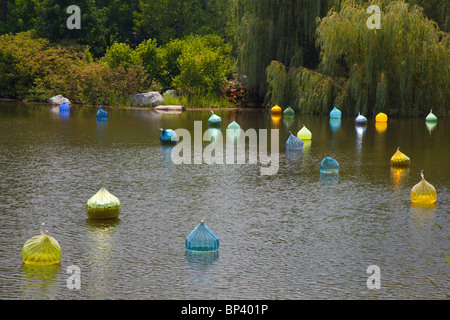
pixel 402 68
pixel 281 30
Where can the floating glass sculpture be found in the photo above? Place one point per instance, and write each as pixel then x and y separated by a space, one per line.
pixel 335 113
pixel 202 239
pixel 168 136
pixel 234 126
pixel 64 107
pixel 103 205
pixel 399 159
pixel 431 117
pixel 360 119
pixel 289 113
pixel 293 142
pixel 329 165
pixel 381 117
pixel 276 109
pixel 102 114
pixel 304 134
pixel 423 192
pixel 214 120
pixel 41 250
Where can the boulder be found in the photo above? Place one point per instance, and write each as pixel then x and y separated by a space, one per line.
pixel 59 99
pixel 170 93
pixel 147 99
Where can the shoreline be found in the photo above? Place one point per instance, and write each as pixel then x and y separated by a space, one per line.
pixel 236 108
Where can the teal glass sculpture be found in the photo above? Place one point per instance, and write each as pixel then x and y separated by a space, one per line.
pixel 329 165
pixel 214 120
pixel 168 136
pixel 202 239
pixel 335 113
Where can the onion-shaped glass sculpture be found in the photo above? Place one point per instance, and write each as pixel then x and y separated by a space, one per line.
pixel 293 142
pixel 289 113
pixel 202 239
pixel 423 192
pixel 234 126
pixel 102 114
pixel 360 119
pixel 431 117
pixel 399 159
pixel 168 136
pixel 64 107
pixel 335 113
pixel 103 205
pixel 381 117
pixel 304 134
pixel 329 165
pixel 41 250
pixel 276 109
pixel 214 120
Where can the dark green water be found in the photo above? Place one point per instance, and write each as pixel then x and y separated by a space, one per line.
pixel 292 235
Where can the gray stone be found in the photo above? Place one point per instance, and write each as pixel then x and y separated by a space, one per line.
pixel 147 99
pixel 58 100
pixel 170 93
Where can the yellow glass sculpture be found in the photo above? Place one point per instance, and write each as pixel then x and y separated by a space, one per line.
pixel 103 205
pixel 304 134
pixel 41 250
pixel 399 159
pixel 276 110
pixel 423 192
pixel 381 117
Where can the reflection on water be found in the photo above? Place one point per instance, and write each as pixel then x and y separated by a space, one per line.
pixel 100 250
pixel 431 126
pixel 40 282
pixel 276 120
pixel 329 178
pixel 423 215
pixel 335 124
pixel 381 127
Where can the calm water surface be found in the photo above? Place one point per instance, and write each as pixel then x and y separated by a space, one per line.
pixel 293 235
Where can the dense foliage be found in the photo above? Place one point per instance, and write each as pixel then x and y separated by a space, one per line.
pixel 402 68
pixel 307 54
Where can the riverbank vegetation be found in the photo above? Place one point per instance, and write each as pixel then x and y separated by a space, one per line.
pixel 310 55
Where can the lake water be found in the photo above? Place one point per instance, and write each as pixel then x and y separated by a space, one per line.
pixel 292 235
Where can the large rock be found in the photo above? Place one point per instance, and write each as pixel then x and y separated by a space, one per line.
pixel 58 100
pixel 170 94
pixel 147 99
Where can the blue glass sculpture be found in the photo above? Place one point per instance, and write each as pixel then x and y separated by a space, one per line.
pixel 329 165
pixel 293 142
pixel 360 119
pixel 102 114
pixel 335 113
pixel 202 239
pixel 214 120
pixel 64 107
pixel 168 136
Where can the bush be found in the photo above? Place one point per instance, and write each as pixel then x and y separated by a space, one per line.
pixel 33 70
pixel 203 65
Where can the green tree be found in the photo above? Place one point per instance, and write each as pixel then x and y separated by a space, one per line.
pixel 165 20
pixel 281 30
pixel 402 68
